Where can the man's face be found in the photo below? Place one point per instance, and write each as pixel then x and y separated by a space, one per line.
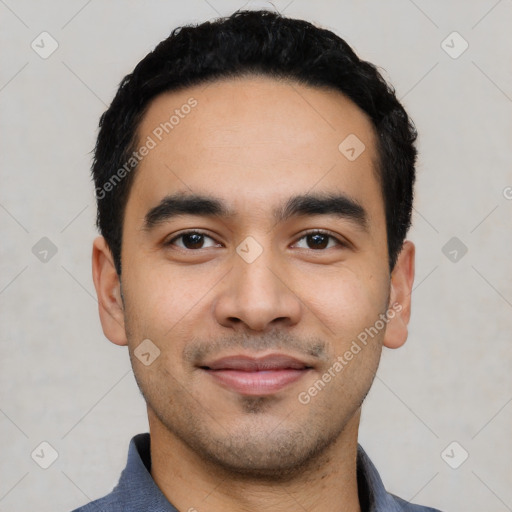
pixel 258 281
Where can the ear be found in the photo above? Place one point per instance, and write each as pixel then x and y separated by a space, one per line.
pixel 108 290
pixel 399 308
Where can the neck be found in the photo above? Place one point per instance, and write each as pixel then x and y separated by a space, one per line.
pixel 194 484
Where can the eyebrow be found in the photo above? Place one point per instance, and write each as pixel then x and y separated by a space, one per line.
pixel 335 204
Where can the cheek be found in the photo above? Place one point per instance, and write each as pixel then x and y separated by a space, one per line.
pixel 166 307
pixel 344 300
pixel 163 296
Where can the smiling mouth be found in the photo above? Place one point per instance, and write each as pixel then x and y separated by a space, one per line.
pixel 256 376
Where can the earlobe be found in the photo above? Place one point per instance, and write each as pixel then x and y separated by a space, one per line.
pixel 399 310
pixel 108 291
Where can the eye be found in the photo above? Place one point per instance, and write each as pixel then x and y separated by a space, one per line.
pixel 192 240
pixel 318 240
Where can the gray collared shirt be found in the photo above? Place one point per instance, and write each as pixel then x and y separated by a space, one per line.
pixel 137 491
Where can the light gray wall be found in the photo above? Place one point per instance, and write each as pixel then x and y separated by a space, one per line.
pixel 62 382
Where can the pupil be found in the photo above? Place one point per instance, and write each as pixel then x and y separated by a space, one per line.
pixel 319 241
pixel 193 240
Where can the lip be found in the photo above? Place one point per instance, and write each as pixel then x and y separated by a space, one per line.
pixel 243 362
pixel 256 376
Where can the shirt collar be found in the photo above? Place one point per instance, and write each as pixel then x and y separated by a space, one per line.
pixel 137 490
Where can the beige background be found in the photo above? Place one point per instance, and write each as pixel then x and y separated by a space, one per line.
pixel 62 382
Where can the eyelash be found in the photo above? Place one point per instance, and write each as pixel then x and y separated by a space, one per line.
pixel 307 233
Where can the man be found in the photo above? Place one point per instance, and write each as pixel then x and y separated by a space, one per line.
pixel 254 181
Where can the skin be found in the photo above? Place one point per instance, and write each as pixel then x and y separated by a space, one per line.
pixel 253 142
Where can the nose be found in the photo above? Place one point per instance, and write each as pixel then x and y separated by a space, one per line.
pixel 257 295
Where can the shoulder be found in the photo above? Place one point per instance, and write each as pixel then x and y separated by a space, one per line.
pixel 378 498
pixel 405 506
pixel 106 504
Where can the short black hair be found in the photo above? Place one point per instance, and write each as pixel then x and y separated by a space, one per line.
pixel 261 43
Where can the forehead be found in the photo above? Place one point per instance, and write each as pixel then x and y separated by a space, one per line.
pixel 255 139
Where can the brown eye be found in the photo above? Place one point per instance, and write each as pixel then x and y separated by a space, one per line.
pixel 318 240
pixel 192 240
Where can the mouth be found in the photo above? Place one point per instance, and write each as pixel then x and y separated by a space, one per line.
pixel 256 376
